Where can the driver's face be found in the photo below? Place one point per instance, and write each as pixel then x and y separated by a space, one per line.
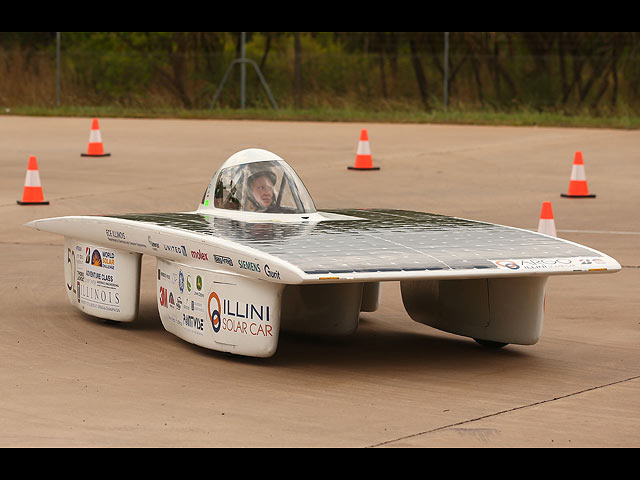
pixel 262 190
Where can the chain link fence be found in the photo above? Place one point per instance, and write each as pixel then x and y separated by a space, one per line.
pixel 559 72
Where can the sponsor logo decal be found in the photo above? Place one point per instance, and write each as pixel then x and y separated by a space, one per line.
pixel 115 235
pixel 180 250
pixel 507 264
pixel 223 260
pixel 181 281
pixel 239 317
pixel 108 259
pixel 154 245
pixel 121 237
pixel 254 267
pixel 199 255
pixel 99 295
pixel 197 306
pixel 271 273
pixel 214 315
pixel 163 297
pixel 591 261
pixel 99 276
pixel 546 263
pixel 96 259
pixel 192 322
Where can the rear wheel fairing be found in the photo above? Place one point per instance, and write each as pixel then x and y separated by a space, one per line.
pixel 331 309
pixel 218 310
pixel 508 310
pixel 102 281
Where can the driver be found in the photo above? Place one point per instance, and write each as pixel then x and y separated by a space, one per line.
pixel 261 190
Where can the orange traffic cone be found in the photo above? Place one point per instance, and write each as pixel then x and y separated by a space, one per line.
pixel 578 183
pixel 95 142
pixel 363 155
pixel 32 194
pixel 546 224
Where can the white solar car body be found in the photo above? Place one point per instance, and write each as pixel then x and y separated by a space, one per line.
pixel 257 257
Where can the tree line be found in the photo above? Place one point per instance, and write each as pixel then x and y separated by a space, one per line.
pixel 555 71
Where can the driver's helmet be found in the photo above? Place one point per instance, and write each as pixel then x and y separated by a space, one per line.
pixel 256 180
pixel 261 182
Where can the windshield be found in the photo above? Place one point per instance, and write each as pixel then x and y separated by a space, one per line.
pixel 269 186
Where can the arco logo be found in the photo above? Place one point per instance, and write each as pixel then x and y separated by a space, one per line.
pixel 508 264
pixel 214 315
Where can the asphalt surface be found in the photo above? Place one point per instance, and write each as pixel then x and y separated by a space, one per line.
pixel 70 380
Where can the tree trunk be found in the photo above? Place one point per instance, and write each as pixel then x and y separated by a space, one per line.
pixel 297 70
pixel 476 75
pixel 267 47
pixel 383 82
pixel 420 76
pixel 393 60
pixel 598 67
pixel 563 68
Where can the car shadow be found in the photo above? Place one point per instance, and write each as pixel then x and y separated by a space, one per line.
pixel 375 345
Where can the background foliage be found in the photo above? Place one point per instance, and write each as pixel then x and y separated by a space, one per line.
pixel 565 72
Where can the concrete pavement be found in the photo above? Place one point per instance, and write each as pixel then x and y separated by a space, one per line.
pixel 67 379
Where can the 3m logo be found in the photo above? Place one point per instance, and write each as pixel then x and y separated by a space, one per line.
pixel 163 297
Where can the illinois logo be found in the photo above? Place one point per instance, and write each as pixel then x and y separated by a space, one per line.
pixel 214 315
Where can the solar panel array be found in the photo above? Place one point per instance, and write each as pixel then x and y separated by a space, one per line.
pixel 377 241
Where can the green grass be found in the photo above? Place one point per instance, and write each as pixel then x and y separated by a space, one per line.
pixel 454 117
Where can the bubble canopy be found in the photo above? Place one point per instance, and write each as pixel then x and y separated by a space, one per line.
pixel 259 181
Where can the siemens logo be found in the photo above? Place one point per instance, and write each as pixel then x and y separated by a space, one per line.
pixel 254 267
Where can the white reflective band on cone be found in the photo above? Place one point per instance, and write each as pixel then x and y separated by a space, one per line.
pixel 363 148
pixel 32 179
pixel 95 137
pixel 578 173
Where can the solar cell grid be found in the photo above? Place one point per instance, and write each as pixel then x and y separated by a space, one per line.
pixel 379 240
